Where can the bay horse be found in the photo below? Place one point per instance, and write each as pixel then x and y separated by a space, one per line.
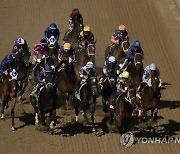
pixel 121 115
pixel 46 102
pixel 81 58
pixel 88 95
pixel 9 88
pixel 118 50
pixel 66 80
pixel 135 69
pixel 72 37
pixel 22 67
pixel 150 96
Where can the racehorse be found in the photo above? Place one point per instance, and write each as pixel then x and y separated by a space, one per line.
pixel 135 69
pixel 9 92
pixel 123 109
pixel 72 37
pixel 109 86
pixel 91 49
pixel 150 96
pixel 36 69
pixel 118 50
pixel 22 67
pixel 81 58
pixel 66 80
pixel 88 95
pixel 46 102
pixel 54 48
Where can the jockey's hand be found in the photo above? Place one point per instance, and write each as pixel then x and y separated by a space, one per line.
pixel 6 72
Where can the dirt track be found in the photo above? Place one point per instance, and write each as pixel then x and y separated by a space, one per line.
pixel 155 23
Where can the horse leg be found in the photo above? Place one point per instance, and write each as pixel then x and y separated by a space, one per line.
pixel 53 119
pixel 84 112
pixel 36 111
pixel 144 115
pixel 140 116
pixel 13 103
pixel 93 107
pixel 76 110
pixel 42 118
pixel 2 108
pixel 155 114
pixel 23 86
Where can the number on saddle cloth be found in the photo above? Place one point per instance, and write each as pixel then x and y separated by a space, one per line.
pixel 13 75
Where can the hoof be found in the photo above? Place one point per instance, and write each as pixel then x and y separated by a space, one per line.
pixel 94 129
pixel 2 116
pixel 13 128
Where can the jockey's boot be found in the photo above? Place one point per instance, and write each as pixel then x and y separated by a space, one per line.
pixel 140 89
pixel 100 83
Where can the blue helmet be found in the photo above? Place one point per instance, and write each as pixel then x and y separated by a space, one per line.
pixel 48 69
pixel 136 44
pixel 53 26
pixel 117 31
pixel 9 57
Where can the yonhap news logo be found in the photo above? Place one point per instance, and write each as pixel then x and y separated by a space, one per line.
pixel 128 139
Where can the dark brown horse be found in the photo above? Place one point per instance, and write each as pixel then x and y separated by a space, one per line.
pixel 9 88
pixel 22 67
pixel 118 50
pixel 72 37
pixel 46 102
pixel 88 95
pixel 66 80
pixel 135 69
pixel 150 96
pixel 123 110
pixel 109 86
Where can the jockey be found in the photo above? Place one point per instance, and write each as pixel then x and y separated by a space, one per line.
pixel 118 34
pixel 123 32
pixel 86 36
pixel 67 50
pixel 42 49
pixel 52 30
pixel 123 83
pixel 134 48
pixel 7 63
pixel 41 80
pixel 74 17
pixel 20 45
pixel 86 71
pixel 110 65
pixel 152 68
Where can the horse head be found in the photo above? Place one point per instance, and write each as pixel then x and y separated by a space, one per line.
pixel 23 57
pixel 155 83
pixel 49 82
pixel 138 61
pixel 46 61
pixel 92 82
pixel 91 51
pixel 131 96
pixel 125 45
